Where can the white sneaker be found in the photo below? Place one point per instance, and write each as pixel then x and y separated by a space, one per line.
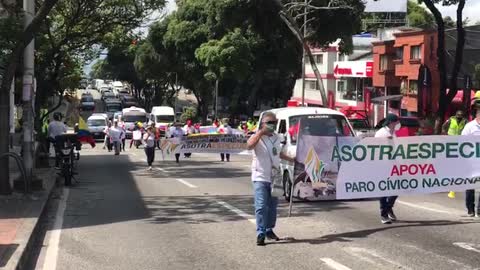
pixel 149 168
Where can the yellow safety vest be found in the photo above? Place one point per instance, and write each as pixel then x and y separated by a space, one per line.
pixel 456 128
pixel 250 126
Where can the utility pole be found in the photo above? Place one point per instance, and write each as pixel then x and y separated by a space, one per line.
pixel 27 95
pixel 304 53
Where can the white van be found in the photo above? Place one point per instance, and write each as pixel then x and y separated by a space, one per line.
pixel 117 87
pixel 96 125
pixel 162 116
pixel 132 115
pixel 289 117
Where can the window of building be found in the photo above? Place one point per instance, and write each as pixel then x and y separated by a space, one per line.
pixel 343 93
pixel 341 57
pixel 383 62
pixel 413 87
pixel 399 53
pixel 319 59
pixel 415 52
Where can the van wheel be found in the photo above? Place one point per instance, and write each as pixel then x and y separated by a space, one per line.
pixel 287 186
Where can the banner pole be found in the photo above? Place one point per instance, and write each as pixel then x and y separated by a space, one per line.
pixel 291 201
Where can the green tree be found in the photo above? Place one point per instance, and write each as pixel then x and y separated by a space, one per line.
pixel 446 99
pixel 77 31
pixel 11 53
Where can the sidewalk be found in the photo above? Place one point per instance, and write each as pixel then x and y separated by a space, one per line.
pixel 19 215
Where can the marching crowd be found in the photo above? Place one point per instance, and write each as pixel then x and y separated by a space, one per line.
pixel 149 136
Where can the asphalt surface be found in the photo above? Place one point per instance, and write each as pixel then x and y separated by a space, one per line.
pixel 198 215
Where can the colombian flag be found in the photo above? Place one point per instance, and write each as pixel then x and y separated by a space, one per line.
pixel 83 134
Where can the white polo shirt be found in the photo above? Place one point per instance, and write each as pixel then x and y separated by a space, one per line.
pixel 385 132
pixel 471 128
pixel 56 128
pixel 265 159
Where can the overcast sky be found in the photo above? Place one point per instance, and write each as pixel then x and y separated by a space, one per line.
pixel 472 10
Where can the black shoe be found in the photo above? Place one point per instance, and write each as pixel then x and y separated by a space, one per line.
pixel 261 240
pixel 471 213
pixel 386 220
pixel 272 236
pixel 392 216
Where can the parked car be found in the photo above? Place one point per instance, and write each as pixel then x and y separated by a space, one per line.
pixel 410 126
pixel 87 103
pixel 128 101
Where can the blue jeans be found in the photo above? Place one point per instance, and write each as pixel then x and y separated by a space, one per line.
pixel 265 207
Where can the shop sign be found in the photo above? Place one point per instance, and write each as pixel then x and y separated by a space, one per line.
pixel 353 69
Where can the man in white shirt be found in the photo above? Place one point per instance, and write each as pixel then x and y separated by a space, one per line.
pixel 267 152
pixel 55 128
pixel 177 132
pixel 472 128
pixel 116 134
pixel 391 125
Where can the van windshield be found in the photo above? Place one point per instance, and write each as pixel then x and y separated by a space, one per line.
pixel 319 125
pixel 113 107
pixel 96 123
pixel 134 118
pixel 164 118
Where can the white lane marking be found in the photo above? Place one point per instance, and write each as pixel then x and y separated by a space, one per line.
pixel 363 252
pixel 51 256
pixel 438 257
pixel 334 265
pixel 161 169
pixel 424 207
pixel 186 183
pixel 237 211
pixel 467 246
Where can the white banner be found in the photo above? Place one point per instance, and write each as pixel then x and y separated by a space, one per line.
pixel 378 167
pixel 205 143
pixel 330 168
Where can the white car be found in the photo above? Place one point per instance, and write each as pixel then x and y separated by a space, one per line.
pixel 289 119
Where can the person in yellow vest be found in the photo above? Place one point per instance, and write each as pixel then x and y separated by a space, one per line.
pixel 454 127
pixel 250 125
pixel 455 124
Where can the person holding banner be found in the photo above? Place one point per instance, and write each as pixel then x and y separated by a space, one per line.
pixel 472 128
pixel 267 152
pixel 225 129
pixel 177 132
pixel 391 125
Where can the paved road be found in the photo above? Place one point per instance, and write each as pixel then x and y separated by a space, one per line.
pixel 198 215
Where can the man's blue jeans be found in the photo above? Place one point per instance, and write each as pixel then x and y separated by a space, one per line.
pixel 265 207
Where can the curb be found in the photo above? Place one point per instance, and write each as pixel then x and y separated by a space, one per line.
pixel 29 231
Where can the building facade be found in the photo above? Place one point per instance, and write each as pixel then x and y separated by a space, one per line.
pixel 345 77
pixel 396 69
